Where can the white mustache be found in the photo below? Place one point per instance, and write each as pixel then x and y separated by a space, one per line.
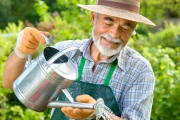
pixel 110 39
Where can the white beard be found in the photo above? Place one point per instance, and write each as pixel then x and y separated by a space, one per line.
pixel 107 51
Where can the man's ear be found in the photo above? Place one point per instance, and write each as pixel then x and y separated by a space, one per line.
pixel 93 15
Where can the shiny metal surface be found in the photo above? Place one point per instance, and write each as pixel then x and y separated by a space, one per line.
pixel 41 82
pixel 59 104
pixel 68 95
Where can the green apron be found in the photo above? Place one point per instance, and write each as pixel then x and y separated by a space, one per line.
pixel 96 91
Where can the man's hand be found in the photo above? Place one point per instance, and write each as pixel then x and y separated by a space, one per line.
pixel 77 113
pixel 28 40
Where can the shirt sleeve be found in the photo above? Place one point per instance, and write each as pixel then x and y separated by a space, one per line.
pixel 138 99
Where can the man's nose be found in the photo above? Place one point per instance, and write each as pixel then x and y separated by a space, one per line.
pixel 114 31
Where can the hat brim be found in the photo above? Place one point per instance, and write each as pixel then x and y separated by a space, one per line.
pixel 118 13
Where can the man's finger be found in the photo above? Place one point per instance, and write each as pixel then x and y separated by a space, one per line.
pixel 37 35
pixel 45 33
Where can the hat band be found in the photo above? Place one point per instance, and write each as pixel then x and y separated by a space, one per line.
pixel 119 5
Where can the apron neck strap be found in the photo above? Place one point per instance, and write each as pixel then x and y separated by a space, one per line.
pixel 80 69
pixel 108 77
pixel 110 73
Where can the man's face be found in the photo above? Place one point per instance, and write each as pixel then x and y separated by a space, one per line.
pixel 111 34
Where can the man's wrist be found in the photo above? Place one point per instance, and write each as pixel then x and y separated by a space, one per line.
pixel 20 54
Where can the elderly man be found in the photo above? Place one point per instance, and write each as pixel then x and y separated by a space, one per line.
pixel 109 68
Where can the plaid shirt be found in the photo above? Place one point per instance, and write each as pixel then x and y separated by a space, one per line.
pixel 132 81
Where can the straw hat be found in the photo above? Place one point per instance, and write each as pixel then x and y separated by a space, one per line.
pixel 126 9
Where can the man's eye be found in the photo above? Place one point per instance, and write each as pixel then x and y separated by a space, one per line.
pixel 126 29
pixel 108 24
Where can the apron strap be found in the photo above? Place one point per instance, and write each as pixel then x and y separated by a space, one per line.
pixel 110 73
pixel 81 67
pixel 108 77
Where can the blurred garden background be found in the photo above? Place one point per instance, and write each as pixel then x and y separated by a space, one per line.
pixel 65 21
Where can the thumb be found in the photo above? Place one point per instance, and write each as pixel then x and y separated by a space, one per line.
pixel 85 99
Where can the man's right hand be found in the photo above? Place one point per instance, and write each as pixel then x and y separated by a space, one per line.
pixel 28 40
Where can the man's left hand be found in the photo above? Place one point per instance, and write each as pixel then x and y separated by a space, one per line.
pixel 77 113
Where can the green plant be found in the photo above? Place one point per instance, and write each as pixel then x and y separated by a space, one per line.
pixel 10 107
pixel 168 37
pixel 163 52
pixel 42 10
pixel 162 49
pixel 166 98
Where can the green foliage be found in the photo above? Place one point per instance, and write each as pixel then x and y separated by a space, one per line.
pixel 14 10
pixel 152 9
pixel 171 7
pixel 168 36
pixel 5 6
pixel 162 49
pixel 142 29
pixel 167 86
pixel 69 6
pixel 72 30
pixel 159 9
pixel 10 107
pixel 42 10
pixel 16 112
pixel 66 26
pixel 73 22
